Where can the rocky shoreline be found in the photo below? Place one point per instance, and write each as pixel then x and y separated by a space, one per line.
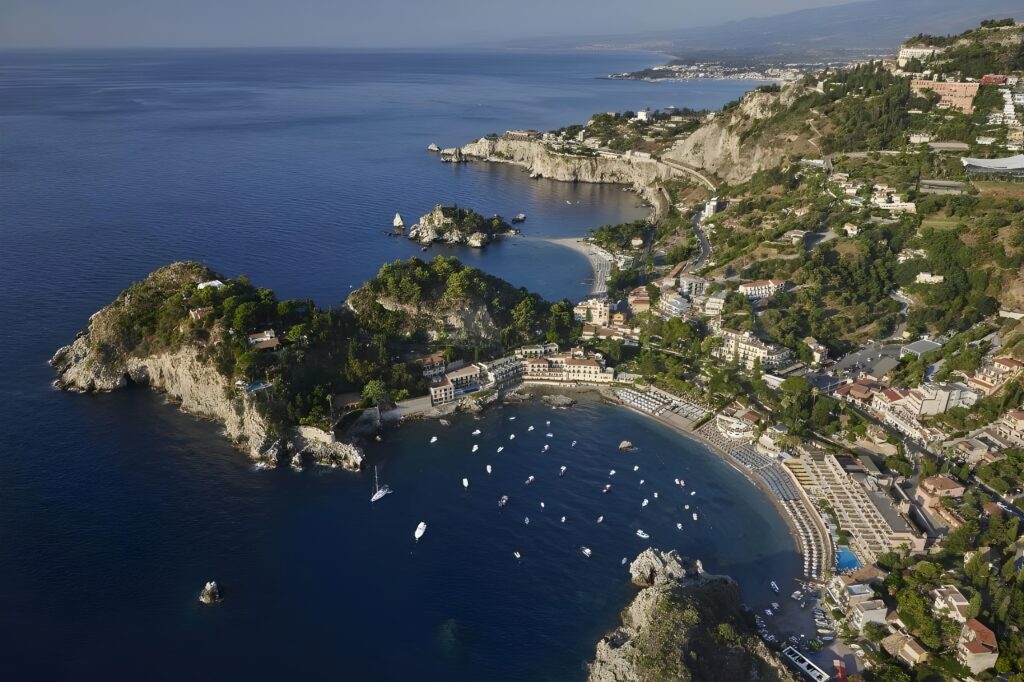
pixel 683 624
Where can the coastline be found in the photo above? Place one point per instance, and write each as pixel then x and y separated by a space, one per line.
pixel 600 263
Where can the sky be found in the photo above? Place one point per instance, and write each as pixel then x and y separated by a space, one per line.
pixel 353 23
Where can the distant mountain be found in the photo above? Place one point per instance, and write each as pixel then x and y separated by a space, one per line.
pixel 836 31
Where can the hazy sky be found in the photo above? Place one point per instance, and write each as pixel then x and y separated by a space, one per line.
pixel 352 23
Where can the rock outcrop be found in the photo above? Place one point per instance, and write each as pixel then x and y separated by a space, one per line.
pixel 643 175
pixel 684 624
pixel 325 449
pixel 453 225
pixel 724 147
pixel 211 593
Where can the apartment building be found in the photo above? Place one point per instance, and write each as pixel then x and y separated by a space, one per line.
pixel 977 647
pixel 593 310
pixel 949 602
pixel 952 95
pixel 764 288
pixel 748 349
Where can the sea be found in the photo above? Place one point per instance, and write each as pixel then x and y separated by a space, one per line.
pixel 288 166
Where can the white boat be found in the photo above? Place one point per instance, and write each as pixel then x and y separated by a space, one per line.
pixel 636 467
pixel 503 501
pixel 561 471
pixel 775 587
pixel 586 551
pixel 517 555
pixel 600 519
pixel 512 436
pixel 547 423
pixel 511 419
pixel 612 472
pixel 642 535
pixel 475 447
pixel 645 502
pixel 573 444
pixel 768 612
pixel 827 638
pixel 641 481
pixel 549 435
pixel 500 448
pixel 541 505
pixel 420 530
pixel 477 432
pixel 623 561
pixel 694 516
pixel 379 491
pixel 679 526
pixel 530 428
pixel 655 495
pixel 488 468
pixel 607 487
pixel 433 439
pixel 526 521
pixel 677 481
pixel 545 448
pixel 465 483
pixel 797 595
pixel 682 483
pixel 563 519
pixel 686 506
pixel 692 493
pixel 775 605
pixel 529 480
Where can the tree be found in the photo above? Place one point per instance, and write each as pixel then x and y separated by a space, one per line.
pixel 376 391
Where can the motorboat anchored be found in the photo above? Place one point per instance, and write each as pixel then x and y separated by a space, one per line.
pixel 586 551
pixel 642 535
pixel 420 530
pixel 503 501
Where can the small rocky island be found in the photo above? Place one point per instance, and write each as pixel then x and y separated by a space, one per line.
pixel 455 225
pixel 684 624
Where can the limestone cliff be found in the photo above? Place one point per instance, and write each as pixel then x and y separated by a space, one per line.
pixel 109 354
pixel 684 624
pixel 726 147
pixel 643 175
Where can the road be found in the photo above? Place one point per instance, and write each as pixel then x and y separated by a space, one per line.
pixel 705 246
pixel 690 171
pixel 904 307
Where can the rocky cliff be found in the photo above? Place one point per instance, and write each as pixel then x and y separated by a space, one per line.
pixel 643 175
pixel 684 624
pixel 726 148
pixel 108 356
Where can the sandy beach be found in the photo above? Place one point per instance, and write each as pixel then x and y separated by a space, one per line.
pixel 599 261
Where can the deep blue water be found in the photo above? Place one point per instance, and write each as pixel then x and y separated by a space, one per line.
pixel 288 166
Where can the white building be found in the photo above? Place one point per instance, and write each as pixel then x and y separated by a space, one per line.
pixel 929 278
pixel 747 349
pixel 691 285
pixel 762 288
pixel 932 398
pixel 594 310
pixel 673 304
pixel 906 54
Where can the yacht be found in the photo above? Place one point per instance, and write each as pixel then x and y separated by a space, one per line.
pixel 586 551
pixel 503 501
pixel 695 518
pixel 476 433
pixel 526 521
pixel 545 448
pixel 600 519
pixel 511 419
pixel 563 519
pixel 679 526
pixel 378 490
pixel 500 448
pixel 547 423
pixel 692 493
pixel 573 444
pixel 623 561
pixel 433 439
pixel 541 505
pixel 475 447
pixel 642 535
pixel 512 436
pixel 645 502
pixel 641 481
pixel 655 495
pixel 465 483
pixel 549 435
pixel 488 468
pixel 529 428
pixel 612 472
pixel 636 467
pixel 420 530
pixel 686 507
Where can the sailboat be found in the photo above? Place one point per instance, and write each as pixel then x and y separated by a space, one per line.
pixel 465 483
pixel 379 491
pixel 420 530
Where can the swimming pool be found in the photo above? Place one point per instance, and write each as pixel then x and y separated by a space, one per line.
pixel 846 560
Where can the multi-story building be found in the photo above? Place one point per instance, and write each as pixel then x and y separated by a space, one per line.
pixel 906 54
pixel 441 390
pixel 575 366
pixel 932 398
pixel 762 288
pixel 747 349
pixel 691 285
pixel 673 304
pixel 977 647
pixel 871 611
pixel 639 300
pixel 433 365
pixel 952 95
pixel 593 310
pixel 537 351
pixel 949 602
pixel 1010 427
pixel 715 303
pixel 819 353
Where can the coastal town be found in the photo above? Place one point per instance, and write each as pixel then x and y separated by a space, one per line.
pixel 843 324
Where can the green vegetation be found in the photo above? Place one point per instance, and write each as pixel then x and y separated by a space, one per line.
pixel 617 238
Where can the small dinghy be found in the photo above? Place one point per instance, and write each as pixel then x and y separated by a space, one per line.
pixel 465 483
pixel 500 448
pixel 600 519
pixel 547 423
pixel 529 480
pixel 645 502
pixel 511 419
pixel 433 439
pixel 586 551
pixel 476 433
pixel 686 506
pixel 503 501
pixel 623 561
pixel 475 447
pixel 420 530
pixel 655 495
pixel 529 428
pixel 692 493
pixel 641 481
pixel 642 535
pixel 549 435
pixel 541 505
pixel 526 521
pixel 488 468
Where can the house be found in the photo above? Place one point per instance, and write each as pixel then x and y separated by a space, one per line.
pixel 929 278
pixel 870 611
pixel 264 340
pixel 846 592
pixel 691 286
pixel 851 230
pixel 441 390
pixel 977 647
pixel 1011 427
pixel 883 400
pixel 762 288
pixel 907 54
pixel 934 487
pixel 431 365
pixel 819 353
pixel 537 351
pixel 715 303
pixel 949 602
pixel 905 648
pixel 576 366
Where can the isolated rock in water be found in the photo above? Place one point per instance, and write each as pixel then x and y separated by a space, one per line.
pixel 432 147
pixel 625 445
pixel 211 593
pixel 558 400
